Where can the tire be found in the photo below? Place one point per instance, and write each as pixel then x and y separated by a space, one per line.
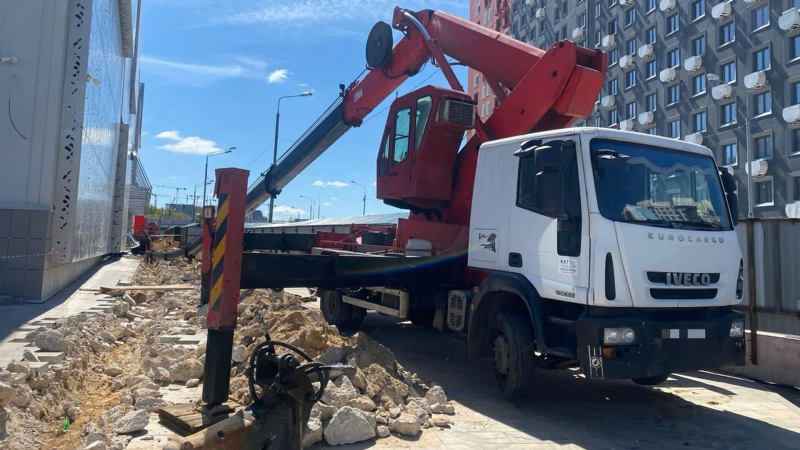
pixel 514 358
pixel 651 381
pixel 338 313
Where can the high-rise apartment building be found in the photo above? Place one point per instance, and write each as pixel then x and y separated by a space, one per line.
pixel 724 74
pixel 492 14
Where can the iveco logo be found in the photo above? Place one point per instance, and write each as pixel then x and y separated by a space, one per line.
pixel 682 238
pixel 688 279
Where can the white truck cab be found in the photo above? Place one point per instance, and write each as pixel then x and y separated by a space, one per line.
pixel 624 240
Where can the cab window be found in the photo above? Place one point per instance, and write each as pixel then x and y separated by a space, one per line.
pixel 402 126
pixel 383 157
pixel 423 113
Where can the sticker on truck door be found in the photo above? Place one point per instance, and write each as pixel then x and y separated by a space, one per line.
pixel 484 244
pixel 567 266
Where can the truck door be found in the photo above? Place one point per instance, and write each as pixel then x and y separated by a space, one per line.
pixel 549 241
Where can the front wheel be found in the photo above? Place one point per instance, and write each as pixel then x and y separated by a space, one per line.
pixel 651 381
pixel 514 357
pixel 339 313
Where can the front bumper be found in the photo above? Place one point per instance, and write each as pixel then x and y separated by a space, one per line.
pixel 662 346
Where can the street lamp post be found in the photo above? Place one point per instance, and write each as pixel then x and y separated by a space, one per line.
pixel 715 78
pixel 205 177
pixel 364 209
pixel 194 196
pixel 312 205
pixel 275 148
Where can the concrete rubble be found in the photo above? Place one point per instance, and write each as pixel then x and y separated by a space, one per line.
pixel 112 368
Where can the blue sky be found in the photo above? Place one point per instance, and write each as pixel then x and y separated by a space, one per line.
pixel 214 71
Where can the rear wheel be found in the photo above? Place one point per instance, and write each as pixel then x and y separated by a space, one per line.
pixel 339 313
pixel 514 358
pixel 651 381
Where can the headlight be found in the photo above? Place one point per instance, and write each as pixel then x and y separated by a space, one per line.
pixel 737 329
pixel 618 336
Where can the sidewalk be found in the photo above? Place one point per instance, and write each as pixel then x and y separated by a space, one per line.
pixel 18 321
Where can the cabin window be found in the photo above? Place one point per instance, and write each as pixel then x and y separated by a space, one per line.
pixel 402 126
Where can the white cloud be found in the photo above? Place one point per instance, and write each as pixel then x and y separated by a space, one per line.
pixel 302 84
pixel 334 198
pixel 327 204
pixel 145 133
pixel 202 74
pixel 335 184
pixel 288 210
pixel 192 144
pixel 171 135
pixel 278 76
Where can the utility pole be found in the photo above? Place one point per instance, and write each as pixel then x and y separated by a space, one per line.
pixel 319 206
pixel 364 209
pixel 275 147
pixel 749 165
pixel 311 211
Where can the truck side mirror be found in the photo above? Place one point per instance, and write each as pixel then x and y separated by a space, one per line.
pixel 729 185
pixel 549 185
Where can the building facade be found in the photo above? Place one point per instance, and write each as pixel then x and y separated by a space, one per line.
pixel 492 14
pixel 69 138
pixel 725 74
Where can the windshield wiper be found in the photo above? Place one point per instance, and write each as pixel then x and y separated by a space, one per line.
pixel 662 222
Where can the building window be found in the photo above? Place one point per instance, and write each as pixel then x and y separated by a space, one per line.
pixel 727 33
pixel 651 69
pixel 630 47
pixel 653 131
pixel 763 194
pixel 612 86
pixel 699 84
pixel 674 57
pixel 795 141
pixel 612 117
pixel 582 20
pixel 651 102
pixel 674 127
pixel 794 47
pixel 477 80
pixel 673 23
pixel 699 122
pixel 598 38
pixel 651 35
pixel 597 121
pixel 762 146
pixel 760 17
pixel 728 72
pixel 630 110
pixel 727 114
pixel 630 79
pixel 564 8
pixel 762 59
pixel 796 93
pixel 762 103
pixel 651 5
pixel 699 45
pixel 630 16
pixel 673 94
pixel 612 26
pixel 613 57
pixel 730 153
pixel 698 9
pixel 796 187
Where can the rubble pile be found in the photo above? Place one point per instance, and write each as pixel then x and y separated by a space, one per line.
pixel 116 366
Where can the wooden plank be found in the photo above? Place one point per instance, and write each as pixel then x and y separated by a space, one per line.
pixel 166 287
pixel 185 418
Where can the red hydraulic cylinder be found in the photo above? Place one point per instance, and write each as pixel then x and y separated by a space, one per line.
pixel 226 274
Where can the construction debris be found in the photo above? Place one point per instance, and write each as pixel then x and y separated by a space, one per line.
pixel 114 369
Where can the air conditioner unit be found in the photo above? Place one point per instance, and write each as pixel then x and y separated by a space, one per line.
pixel 578 33
pixel 646 51
pixel 791 114
pixel 646 118
pixel 608 41
pixel 755 80
pixel 694 138
pixel 608 102
pixel 752 2
pixel 666 5
pixel 626 61
pixel 757 169
pixel 540 14
pixel 790 20
pixel 721 11
pixel 721 91
pixel 625 2
pixel 793 210
pixel 667 75
pixel 626 125
pixel 693 63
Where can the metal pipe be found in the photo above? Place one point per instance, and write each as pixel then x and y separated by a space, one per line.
pixel 749 165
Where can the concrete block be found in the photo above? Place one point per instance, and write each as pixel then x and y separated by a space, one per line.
pixel 39 221
pixel 33 284
pixel 15 283
pixel 778 359
pixel 169 338
pixel 20 224
pixel 39 367
pixel 36 249
pixel 50 357
pixel 5 222
pixel 16 247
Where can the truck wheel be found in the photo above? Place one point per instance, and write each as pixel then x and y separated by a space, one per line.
pixel 514 358
pixel 651 381
pixel 339 313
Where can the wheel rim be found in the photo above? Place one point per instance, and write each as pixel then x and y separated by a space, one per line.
pixel 501 355
pixel 330 304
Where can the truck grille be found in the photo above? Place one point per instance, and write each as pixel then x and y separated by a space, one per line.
pixel 661 277
pixel 683 294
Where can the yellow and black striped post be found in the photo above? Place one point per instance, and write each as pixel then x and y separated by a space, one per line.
pixel 226 274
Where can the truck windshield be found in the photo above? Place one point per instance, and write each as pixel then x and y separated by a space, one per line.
pixel 657 187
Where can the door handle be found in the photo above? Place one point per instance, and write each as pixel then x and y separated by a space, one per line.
pixel 514 259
